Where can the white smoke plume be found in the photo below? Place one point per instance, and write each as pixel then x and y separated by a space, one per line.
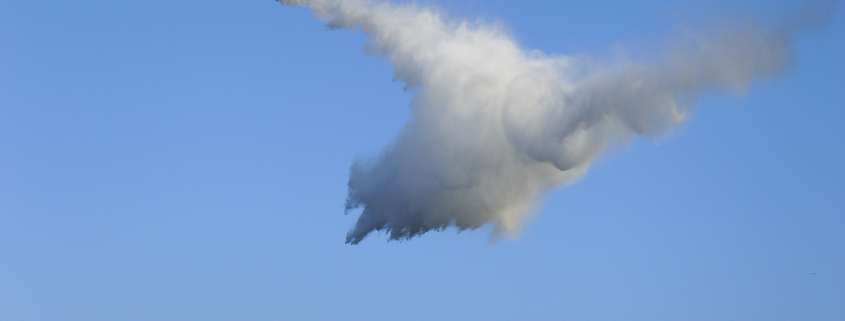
pixel 495 126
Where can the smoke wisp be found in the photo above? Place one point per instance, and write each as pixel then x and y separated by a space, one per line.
pixel 495 126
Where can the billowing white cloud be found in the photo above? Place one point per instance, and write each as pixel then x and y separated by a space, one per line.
pixel 494 126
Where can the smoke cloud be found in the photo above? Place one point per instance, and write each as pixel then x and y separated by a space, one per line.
pixel 495 126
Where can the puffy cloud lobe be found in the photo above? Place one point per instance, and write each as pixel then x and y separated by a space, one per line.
pixel 495 126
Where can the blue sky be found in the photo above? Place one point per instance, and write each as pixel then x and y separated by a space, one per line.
pixel 189 161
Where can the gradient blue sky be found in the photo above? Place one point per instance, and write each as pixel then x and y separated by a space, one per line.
pixel 187 160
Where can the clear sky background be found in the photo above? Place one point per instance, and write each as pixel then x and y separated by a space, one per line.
pixel 187 160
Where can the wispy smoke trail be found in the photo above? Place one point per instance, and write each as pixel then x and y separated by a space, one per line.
pixel 494 126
